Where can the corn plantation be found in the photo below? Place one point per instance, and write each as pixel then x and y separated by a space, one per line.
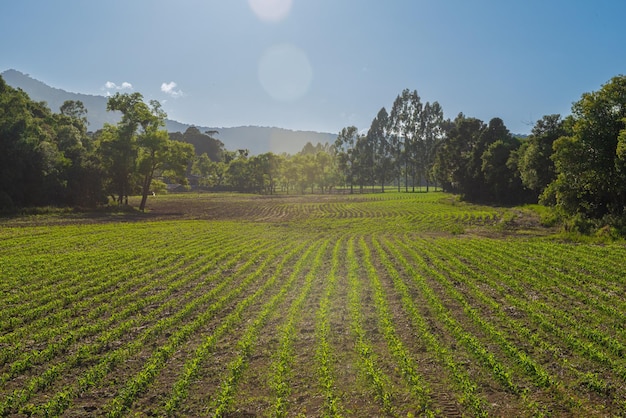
pixel 372 305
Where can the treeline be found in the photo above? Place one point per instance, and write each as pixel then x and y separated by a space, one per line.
pixel 50 158
pixel 576 164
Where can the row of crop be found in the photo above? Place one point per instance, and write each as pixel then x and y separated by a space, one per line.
pixel 75 275
pixel 589 310
pixel 98 351
pixel 110 360
pixel 50 324
pixel 71 270
pixel 282 365
pixel 463 383
pixel 551 333
pixel 406 363
pixel 546 339
pixel 324 352
pixel 53 319
pixel 81 356
pixel 121 306
pixel 429 214
pixel 38 293
pixel 220 405
pixel 367 358
pixel 431 264
pixel 158 360
pixel 122 276
pixel 597 282
pixel 61 239
pixel 436 270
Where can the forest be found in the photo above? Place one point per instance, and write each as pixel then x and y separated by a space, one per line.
pixel 575 164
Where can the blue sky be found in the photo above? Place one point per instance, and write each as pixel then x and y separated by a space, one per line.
pixel 321 64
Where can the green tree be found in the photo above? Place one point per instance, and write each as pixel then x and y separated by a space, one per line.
pixel 75 110
pixel 535 164
pixel 363 161
pixel 452 161
pixel 239 173
pixel 138 147
pixel 405 118
pixel 31 165
pixel 379 135
pixel 590 162
pixel 158 153
pixel 344 149
pixel 432 134
pixel 202 142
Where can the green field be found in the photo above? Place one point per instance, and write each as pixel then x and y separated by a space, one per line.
pixel 388 304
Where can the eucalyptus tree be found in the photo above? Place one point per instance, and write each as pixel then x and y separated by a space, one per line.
pixel 379 135
pixel 432 134
pixel 344 149
pixel 405 118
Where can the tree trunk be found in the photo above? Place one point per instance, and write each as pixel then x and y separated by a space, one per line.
pixel 147 181
pixel 144 192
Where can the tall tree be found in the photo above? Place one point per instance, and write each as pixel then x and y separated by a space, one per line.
pixel 534 160
pixel 158 153
pixel 405 124
pixel 76 111
pixel 453 160
pixel 344 148
pixel 432 131
pixel 139 146
pixel 83 178
pixel 591 162
pixel 202 142
pixel 31 165
pixel 379 135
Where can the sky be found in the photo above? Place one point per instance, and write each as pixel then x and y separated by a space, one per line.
pixel 321 65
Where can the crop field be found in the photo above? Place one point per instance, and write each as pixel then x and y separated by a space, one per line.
pixel 394 304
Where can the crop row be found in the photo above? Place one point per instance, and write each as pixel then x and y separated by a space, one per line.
pixel 399 324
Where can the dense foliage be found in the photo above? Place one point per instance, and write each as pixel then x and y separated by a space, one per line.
pixel 577 164
pixel 45 158
pixel 50 159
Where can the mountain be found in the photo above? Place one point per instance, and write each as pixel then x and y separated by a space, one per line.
pixel 41 92
pixel 257 139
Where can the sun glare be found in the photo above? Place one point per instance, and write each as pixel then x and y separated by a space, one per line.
pixel 285 72
pixel 270 10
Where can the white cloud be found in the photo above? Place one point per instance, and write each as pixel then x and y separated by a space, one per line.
pixel 109 85
pixel 170 88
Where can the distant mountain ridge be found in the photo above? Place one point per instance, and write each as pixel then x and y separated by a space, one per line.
pixel 256 139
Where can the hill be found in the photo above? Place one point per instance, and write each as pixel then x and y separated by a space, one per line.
pixel 257 139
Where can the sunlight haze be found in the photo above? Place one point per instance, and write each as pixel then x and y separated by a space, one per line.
pixel 321 65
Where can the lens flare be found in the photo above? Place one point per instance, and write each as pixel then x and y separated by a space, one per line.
pixel 285 72
pixel 270 10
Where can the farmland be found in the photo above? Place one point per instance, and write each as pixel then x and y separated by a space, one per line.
pixel 388 304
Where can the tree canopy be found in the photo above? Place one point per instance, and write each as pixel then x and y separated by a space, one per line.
pixel 51 159
pixel 576 163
